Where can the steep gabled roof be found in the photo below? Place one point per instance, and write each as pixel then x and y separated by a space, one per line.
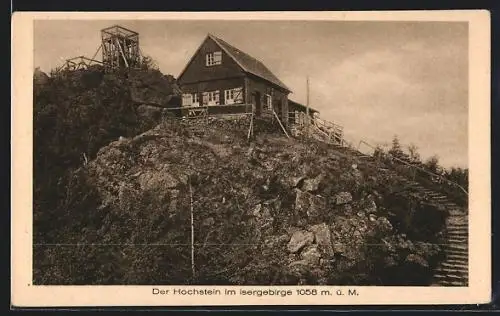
pixel 248 63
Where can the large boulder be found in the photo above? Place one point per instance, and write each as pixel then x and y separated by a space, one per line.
pixel 300 239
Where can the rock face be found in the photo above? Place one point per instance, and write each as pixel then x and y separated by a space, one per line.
pixel 276 211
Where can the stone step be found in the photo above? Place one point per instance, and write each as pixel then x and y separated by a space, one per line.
pixel 457 256
pixel 439 199
pixel 464 257
pixel 456 212
pixel 457 262
pixel 456 251
pixel 452 283
pixel 463 247
pixel 452 270
pixel 463 231
pixel 458 241
pixel 457 238
pixel 454 223
pixel 458 229
pixel 450 277
pixel 457 234
pixel 457 216
pixel 458 266
pixel 460 220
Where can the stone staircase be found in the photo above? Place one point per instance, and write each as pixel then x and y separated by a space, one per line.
pixel 453 270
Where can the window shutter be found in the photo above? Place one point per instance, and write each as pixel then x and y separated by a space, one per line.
pixel 217 97
pixel 205 98
pixel 187 99
pixel 238 95
pixel 217 57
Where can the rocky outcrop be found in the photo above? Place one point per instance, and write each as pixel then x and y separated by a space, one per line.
pixel 273 211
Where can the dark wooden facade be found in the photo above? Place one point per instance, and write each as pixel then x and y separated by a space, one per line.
pixel 255 84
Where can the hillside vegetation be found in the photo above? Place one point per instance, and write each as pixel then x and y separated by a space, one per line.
pixel 273 210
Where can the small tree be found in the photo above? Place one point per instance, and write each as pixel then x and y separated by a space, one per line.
pixel 378 152
pixel 432 164
pixel 396 150
pixel 414 155
pixel 147 63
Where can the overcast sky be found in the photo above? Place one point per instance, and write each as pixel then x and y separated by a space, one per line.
pixel 377 79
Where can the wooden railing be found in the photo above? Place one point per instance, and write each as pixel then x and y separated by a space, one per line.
pixel 209 110
pixel 432 178
pixel 329 131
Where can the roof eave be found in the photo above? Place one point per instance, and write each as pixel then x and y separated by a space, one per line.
pixel 282 87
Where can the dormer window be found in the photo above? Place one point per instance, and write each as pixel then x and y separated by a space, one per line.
pixel 214 58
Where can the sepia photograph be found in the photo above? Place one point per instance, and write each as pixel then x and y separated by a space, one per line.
pixel 251 152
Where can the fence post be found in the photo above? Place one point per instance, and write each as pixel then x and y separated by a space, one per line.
pixel 192 227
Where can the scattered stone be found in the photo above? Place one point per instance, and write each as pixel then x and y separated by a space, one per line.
pixel 299 239
pixel 384 224
pixel 343 198
pixel 311 255
pixel 208 221
pixel 161 179
pixel 312 205
pixel 372 217
pixel 312 185
pixel 347 208
pixel 371 207
pixel 413 258
pixel 256 210
pixel 172 207
pixel 323 237
pixel 295 181
pixel 339 248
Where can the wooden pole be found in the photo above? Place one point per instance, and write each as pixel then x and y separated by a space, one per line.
pixel 250 128
pixel 307 107
pixel 279 121
pixel 192 228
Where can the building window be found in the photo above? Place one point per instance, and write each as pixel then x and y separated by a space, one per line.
pixel 214 58
pixel 190 99
pixel 233 96
pixel 211 98
pixel 196 100
pixel 187 99
pixel 269 102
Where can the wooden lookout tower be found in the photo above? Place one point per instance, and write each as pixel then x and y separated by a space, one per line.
pixel 120 47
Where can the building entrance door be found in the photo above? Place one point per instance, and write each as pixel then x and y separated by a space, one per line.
pixel 256 102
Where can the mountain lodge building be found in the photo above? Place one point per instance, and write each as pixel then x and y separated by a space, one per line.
pixel 226 80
